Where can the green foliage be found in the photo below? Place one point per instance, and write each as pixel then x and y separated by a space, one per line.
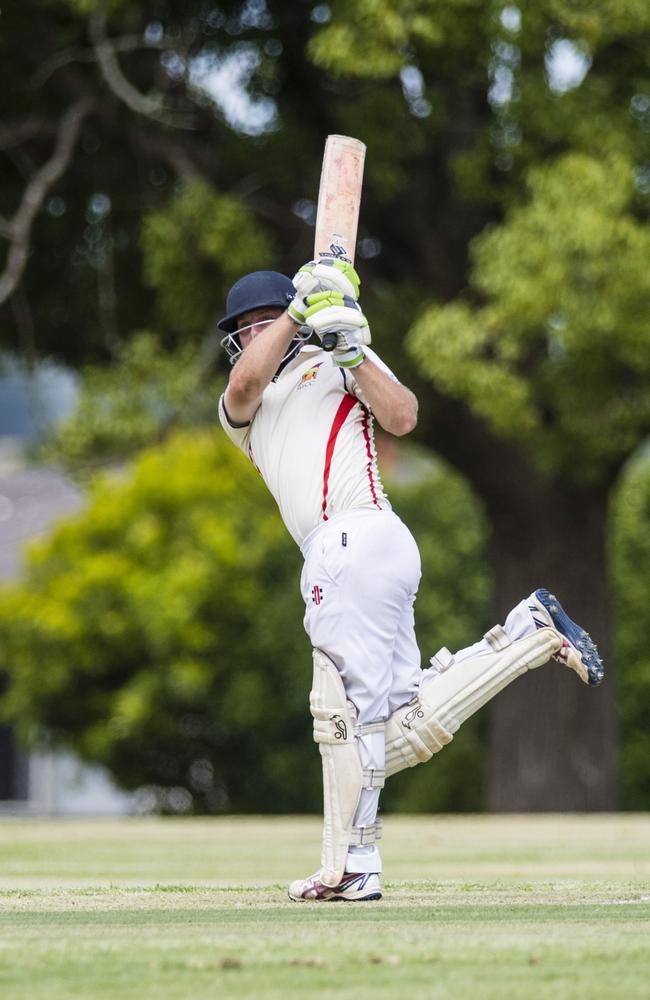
pixel 630 549
pixel 451 531
pixel 452 144
pixel 84 8
pixel 565 322
pixel 376 38
pixel 154 634
pixel 160 633
pixel 544 335
pixel 194 249
pixel 368 38
pixel 135 402
pixel 601 21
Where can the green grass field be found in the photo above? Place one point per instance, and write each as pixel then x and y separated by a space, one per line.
pixel 479 907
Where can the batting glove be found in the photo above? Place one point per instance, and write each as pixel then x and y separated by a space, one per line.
pixel 296 309
pixel 332 312
pixel 327 274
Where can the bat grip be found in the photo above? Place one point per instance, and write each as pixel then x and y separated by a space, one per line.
pixel 329 341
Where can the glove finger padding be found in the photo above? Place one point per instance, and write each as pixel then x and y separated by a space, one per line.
pixel 349 352
pixel 347 339
pixel 337 319
pixel 327 275
pixel 330 310
pixel 296 309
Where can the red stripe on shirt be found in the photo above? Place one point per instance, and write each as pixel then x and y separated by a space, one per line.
pixel 366 436
pixel 345 406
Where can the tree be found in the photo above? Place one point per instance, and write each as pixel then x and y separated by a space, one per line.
pixel 160 633
pixel 541 365
pixel 146 638
pixel 550 324
pixel 142 187
pixel 137 401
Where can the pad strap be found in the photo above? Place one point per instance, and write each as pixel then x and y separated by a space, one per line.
pixel 441 661
pixel 498 638
pixel 373 777
pixel 370 727
pixel 362 835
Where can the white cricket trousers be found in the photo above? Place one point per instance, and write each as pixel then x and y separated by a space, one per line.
pixel 359 581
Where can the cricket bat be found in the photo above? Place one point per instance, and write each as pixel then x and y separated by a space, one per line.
pixel 339 201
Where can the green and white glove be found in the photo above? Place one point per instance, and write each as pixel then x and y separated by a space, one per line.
pixel 296 309
pixel 327 274
pixel 334 313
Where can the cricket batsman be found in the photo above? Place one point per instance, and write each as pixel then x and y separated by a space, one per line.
pixel 305 417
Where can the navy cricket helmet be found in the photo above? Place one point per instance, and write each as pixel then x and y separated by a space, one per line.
pixel 257 290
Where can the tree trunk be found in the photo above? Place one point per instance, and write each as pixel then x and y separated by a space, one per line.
pixel 553 740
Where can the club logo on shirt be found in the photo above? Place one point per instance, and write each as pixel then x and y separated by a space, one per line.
pixel 309 376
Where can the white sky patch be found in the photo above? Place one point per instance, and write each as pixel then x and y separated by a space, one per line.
pixel 566 65
pixel 225 80
pixel 511 19
pixel 501 86
pixel 413 90
pixel 412 81
pixel 503 65
pixel 321 14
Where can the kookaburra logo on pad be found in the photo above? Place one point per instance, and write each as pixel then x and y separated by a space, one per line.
pixel 410 717
pixel 341 728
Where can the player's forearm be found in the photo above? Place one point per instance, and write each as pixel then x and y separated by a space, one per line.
pixel 393 405
pixel 257 366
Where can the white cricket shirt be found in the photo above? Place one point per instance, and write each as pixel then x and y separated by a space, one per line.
pixel 312 442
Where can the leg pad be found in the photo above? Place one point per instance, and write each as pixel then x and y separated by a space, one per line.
pixel 334 731
pixel 452 691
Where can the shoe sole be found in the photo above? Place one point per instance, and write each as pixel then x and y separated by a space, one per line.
pixel 353 899
pixel 337 899
pixel 581 641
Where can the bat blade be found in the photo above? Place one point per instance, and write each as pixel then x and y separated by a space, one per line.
pixel 339 198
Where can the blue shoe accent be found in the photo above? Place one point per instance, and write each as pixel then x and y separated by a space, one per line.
pixel 582 643
pixel 359 887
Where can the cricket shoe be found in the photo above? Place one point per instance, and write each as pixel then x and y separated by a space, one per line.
pixel 578 650
pixel 353 887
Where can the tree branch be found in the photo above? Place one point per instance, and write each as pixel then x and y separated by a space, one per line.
pixel 77 53
pixel 148 105
pixel 19 228
pixel 16 133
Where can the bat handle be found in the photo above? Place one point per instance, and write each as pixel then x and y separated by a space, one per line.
pixel 329 341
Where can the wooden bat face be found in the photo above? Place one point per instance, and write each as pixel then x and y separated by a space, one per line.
pixel 339 198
